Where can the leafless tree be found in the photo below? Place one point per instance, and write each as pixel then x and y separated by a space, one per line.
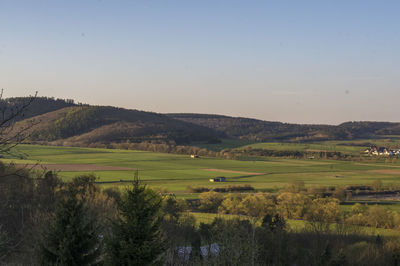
pixel 15 187
pixel 9 114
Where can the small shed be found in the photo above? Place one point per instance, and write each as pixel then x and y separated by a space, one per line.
pixel 218 179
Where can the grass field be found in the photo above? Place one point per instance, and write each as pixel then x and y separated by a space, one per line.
pixel 304 147
pixel 176 172
pixel 353 147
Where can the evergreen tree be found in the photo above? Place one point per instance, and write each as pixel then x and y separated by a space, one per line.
pixel 136 236
pixel 72 237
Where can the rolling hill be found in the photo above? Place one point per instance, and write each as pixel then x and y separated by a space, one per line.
pixel 86 124
pixel 35 106
pixel 258 130
pixel 56 119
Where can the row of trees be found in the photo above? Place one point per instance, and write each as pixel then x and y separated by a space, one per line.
pixel 320 212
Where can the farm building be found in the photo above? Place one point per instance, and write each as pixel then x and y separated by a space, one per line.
pixel 194 156
pixel 382 151
pixel 218 179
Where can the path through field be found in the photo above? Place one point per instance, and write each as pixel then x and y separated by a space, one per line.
pixel 232 171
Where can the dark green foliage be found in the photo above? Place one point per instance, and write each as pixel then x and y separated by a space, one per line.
pixel 136 235
pixel 72 237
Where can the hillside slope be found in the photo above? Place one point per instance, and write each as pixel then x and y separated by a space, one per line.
pixel 110 124
pixel 57 119
pixel 258 130
pixel 39 106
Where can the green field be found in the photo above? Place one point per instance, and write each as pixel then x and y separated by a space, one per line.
pixel 354 147
pixel 303 147
pixel 176 172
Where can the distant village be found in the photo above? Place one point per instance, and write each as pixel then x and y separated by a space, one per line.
pixel 382 151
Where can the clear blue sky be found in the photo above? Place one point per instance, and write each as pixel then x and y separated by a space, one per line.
pixel 292 61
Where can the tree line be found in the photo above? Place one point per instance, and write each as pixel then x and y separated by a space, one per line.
pixel 322 213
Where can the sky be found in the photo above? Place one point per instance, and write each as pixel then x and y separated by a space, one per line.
pixel 291 61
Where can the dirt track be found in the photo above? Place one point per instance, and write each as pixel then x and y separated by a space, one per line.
pixel 75 167
pixel 386 171
pixel 232 172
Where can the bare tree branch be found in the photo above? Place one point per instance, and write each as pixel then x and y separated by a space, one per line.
pixel 10 135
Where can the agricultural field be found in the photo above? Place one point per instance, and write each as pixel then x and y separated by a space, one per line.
pixel 308 147
pixel 175 173
pixel 351 147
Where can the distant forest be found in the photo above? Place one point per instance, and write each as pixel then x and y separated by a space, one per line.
pixel 258 130
pixel 81 124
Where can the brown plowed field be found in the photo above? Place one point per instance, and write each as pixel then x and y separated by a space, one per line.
pixel 386 171
pixel 75 167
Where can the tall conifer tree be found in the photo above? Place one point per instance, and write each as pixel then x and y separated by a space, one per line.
pixel 136 235
pixel 72 237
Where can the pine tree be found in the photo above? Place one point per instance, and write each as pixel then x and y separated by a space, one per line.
pixel 136 235
pixel 72 237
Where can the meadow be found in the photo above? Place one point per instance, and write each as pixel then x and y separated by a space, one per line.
pixel 312 147
pixel 174 173
pixel 352 147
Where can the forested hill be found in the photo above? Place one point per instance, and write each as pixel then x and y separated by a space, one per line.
pixel 57 119
pixel 258 130
pixel 35 106
pixel 251 129
pixel 104 124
